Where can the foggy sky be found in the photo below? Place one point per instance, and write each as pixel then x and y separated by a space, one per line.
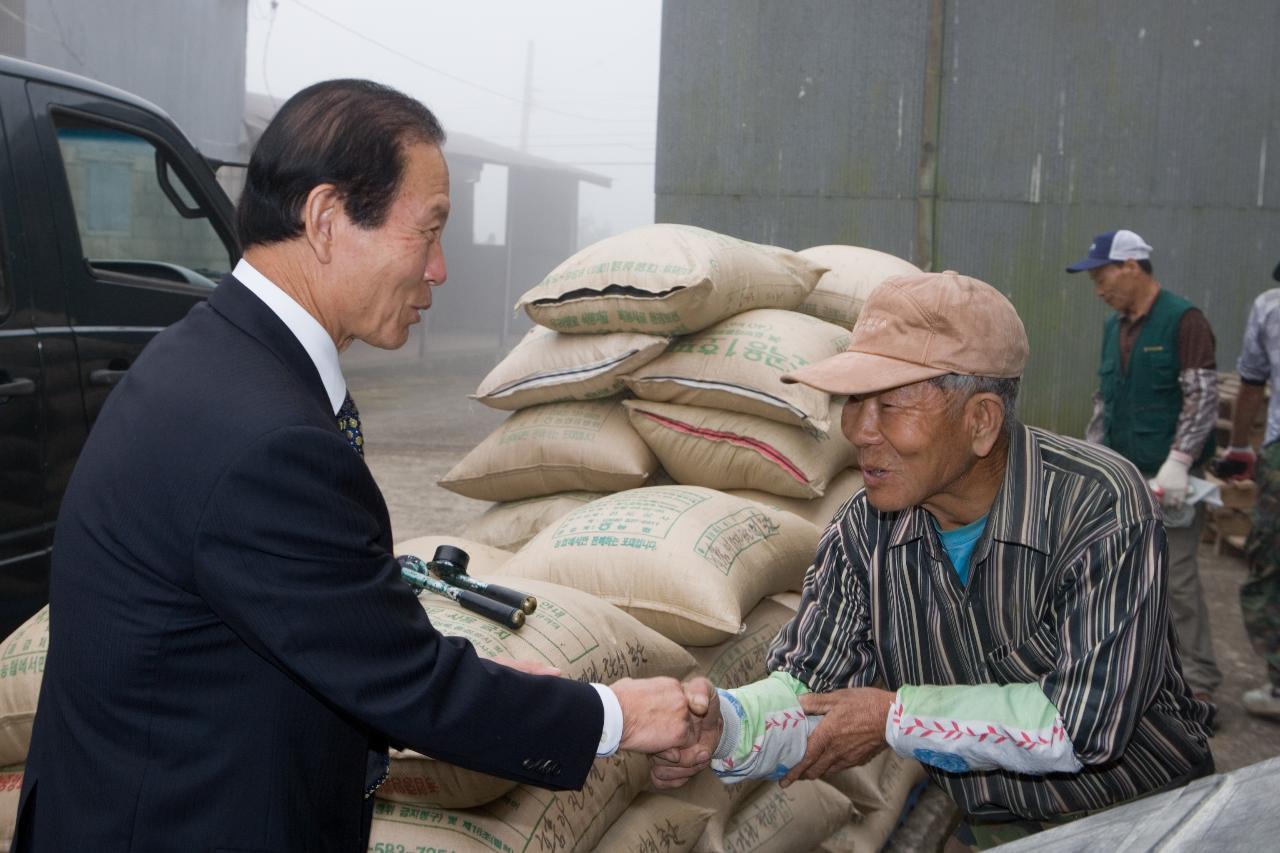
pixel 595 76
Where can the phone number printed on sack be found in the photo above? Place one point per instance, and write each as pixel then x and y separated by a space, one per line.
pixel 749 343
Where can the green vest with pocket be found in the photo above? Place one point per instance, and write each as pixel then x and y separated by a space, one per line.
pixel 1142 404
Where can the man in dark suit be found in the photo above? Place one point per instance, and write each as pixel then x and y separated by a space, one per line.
pixel 231 646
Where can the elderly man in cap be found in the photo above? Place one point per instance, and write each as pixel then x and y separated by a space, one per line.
pixel 1157 405
pixel 993 581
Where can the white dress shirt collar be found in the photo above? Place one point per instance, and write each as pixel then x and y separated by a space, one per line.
pixel 307 329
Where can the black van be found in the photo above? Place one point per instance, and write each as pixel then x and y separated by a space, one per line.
pixel 112 226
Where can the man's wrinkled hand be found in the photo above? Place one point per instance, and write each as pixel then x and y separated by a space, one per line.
pixel 851 732
pixel 673 767
pixel 659 713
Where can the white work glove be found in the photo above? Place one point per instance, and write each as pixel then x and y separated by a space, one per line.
pixel 1170 484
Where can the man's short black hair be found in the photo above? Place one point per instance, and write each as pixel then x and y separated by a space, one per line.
pixel 349 133
pixel 1144 263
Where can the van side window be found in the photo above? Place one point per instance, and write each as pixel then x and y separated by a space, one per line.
pixel 136 212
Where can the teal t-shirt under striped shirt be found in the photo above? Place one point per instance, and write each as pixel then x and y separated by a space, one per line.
pixel 959 544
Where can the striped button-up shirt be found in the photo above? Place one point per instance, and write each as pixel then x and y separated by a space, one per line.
pixel 1067 590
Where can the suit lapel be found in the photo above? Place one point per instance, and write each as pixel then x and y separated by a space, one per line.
pixel 251 315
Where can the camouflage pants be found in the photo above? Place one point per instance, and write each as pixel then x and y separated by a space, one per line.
pixel 1260 595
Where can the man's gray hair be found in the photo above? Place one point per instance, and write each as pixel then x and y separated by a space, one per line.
pixel 961 387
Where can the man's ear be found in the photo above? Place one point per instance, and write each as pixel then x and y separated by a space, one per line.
pixel 984 420
pixel 320 215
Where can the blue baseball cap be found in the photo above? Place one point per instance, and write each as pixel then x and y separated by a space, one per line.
pixel 1112 247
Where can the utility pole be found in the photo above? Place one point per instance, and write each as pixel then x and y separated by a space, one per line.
pixel 525 114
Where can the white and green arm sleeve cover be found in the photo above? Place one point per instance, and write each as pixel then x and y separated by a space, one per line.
pixel 765 729
pixel 964 728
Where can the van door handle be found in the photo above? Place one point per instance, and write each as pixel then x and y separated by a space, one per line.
pixel 16 388
pixel 103 376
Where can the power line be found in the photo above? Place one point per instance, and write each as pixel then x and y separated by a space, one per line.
pixel 614 96
pixel 591 145
pixel 618 136
pixel 443 73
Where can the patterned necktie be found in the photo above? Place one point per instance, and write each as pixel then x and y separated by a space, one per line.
pixel 349 424
pixel 378 763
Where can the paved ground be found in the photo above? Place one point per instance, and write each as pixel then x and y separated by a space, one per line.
pixel 419 423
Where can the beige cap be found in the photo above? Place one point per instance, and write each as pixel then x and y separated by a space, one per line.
pixel 915 327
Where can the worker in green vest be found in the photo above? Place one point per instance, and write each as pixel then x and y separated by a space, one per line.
pixel 1157 405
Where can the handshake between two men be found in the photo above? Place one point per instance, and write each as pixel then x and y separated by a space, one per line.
pixel 773 728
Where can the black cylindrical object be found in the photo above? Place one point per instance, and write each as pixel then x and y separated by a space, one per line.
pixel 414 572
pixel 450 565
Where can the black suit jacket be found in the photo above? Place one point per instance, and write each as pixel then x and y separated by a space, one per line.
pixel 229 633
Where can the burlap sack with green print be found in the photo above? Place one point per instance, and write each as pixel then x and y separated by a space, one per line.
pixel 22 658
pixel 698 446
pixel 548 367
pixel 555 447
pixel 798 817
pixel 585 638
pixel 688 562
pixel 853 273
pixel 820 511
pixel 523 819
pixel 737 365
pixel 511 524
pixel 657 822
pixel 667 280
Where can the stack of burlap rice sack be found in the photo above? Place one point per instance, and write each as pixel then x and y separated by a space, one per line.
pixel 709 405
pixel 699 328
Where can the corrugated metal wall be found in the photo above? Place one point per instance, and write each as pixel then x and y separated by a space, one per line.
pixel 813 122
